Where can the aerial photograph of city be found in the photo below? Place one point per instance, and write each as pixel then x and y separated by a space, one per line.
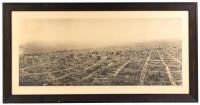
pixel 100 52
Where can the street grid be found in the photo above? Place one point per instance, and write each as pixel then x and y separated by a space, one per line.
pixel 108 67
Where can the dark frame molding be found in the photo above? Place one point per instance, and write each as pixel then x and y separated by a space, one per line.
pixel 7 51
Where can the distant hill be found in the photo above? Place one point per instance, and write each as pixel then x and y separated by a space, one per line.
pixel 156 44
pixel 43 48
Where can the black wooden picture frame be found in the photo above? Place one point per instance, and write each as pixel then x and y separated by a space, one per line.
pixel 7 52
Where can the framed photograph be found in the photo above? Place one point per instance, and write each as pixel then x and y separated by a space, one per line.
pixel 100 52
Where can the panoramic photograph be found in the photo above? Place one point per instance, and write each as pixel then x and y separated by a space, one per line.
pixel 100 52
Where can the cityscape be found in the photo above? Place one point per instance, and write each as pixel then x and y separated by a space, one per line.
pixel 144 64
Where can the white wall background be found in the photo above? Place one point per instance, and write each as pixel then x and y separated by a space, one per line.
pixel 1 93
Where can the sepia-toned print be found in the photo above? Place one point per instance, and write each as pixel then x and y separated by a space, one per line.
pixel 101 52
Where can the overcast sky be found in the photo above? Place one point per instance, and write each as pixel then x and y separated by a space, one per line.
pixel 98 31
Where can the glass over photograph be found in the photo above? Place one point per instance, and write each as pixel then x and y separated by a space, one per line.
pixel 118 52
